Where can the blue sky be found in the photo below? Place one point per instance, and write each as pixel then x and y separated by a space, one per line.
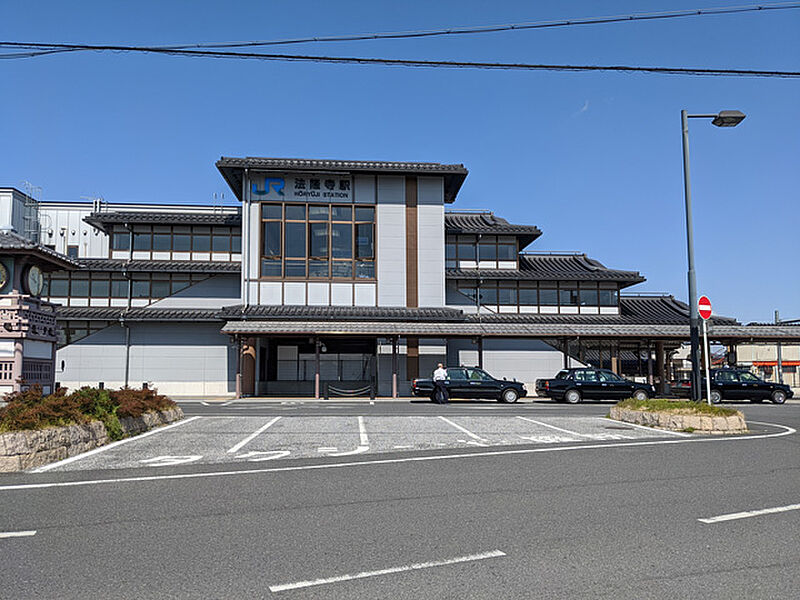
pixel 593 159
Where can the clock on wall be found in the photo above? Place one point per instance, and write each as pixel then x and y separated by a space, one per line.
pixel 34 280
pixel 3 276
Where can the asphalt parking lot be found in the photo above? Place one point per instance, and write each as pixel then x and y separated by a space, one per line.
pixel 226 439
pixel 257 500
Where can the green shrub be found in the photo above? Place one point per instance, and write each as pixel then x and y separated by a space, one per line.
pixel 677 406
pixel 31 410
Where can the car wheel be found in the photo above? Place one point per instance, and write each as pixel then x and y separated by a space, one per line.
pixel 716 397
pixel 778 397
pixel 572 397
pixel 640 395
pixel 509 396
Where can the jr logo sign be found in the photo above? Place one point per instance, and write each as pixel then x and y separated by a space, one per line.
pixel 271 184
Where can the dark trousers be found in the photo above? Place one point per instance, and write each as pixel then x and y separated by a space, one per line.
pixel 440 393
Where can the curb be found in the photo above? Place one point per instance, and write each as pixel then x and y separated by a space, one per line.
pixel 715 425
pixel 22 450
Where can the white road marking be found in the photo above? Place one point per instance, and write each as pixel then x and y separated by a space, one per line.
pixel 567 431
pixel 253 435
pixel 170 460
pixel 402 447
pixel 460 428
pixel 258 456
pixel 750 513
pixel 546 439
pixel 72 459
pixel 393 461
pixel 13 534
pixel 363 574
pixel 363 441
pixel 651 429
pixel 228 403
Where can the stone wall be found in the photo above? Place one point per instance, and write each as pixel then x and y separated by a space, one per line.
pixel 681 422
pixel 20 450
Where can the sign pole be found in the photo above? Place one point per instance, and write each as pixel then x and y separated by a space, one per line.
pixel 705 349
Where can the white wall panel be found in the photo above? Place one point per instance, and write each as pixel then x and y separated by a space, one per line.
pixel 430 254
pixel 364 189
pixel 271 293
pixel 319 294
pixel 177 358
pixel 391 254
pixel 294 293
pixel 365 294
pixel 341 294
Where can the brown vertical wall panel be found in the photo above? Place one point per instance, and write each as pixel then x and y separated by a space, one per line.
pixel 412 295
pixel 412 358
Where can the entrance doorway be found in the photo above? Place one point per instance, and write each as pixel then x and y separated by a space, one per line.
pixel 287 366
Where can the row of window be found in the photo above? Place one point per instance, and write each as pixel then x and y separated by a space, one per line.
pixel 494 248
pixel 82 284
pixel 324 241
pixel 72 331
pixel 532 293
pixel 178 238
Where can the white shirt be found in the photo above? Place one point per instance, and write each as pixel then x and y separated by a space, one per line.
pixel 440 374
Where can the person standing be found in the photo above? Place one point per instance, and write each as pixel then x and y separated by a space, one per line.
pixel 440 393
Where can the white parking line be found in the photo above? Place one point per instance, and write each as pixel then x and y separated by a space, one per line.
pixel 252 436
pixel 363 445
pixel 554 427
pixel 13 534
pixel 72 459
pixel 395 461
pixel 363 574
pixel 460 428
pixel 750 513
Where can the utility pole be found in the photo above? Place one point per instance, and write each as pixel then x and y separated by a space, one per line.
pixel 780 357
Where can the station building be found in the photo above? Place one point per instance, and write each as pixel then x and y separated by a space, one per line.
pixel 339 277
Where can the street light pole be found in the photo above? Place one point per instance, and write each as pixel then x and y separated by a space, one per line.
pixel 694 333
pixel 725 118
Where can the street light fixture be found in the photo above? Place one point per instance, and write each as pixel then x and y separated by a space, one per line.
pixel 725 118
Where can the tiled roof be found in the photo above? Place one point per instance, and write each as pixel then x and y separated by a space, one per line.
pixel 104 219
pixel 634 311
pixel 469 329
pixel 13 243
pixel 551 267
pixel 343 313
pixel 97 313
pixel 490 224
pixel 232 169
pixel 159 266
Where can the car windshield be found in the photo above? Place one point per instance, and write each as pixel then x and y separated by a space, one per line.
pixel 562 374
pixel 745 376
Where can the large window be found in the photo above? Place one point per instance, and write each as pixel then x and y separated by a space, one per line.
pixel 100 287
pixel 175 240
pixel 487 251
pixel 317 241
pixel 500 295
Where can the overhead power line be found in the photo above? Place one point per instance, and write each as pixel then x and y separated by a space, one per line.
pixel 61 48
pixel 726 10
pixel 409 62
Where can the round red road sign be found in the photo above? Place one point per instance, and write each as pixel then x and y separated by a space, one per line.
pixel 704 307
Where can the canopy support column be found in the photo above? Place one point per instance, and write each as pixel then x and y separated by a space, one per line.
pixel 394 367
pixel 661 359
pixel 317 345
